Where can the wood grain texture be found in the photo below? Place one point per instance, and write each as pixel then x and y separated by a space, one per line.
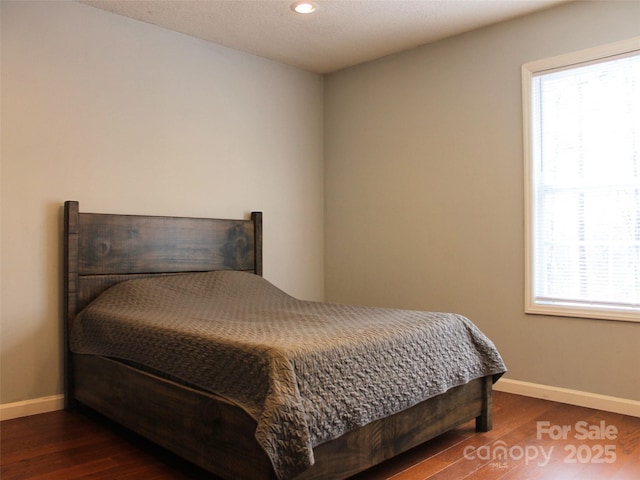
pixel 70 291
pixel 112 244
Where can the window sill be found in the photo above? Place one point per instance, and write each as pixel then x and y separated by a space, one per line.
pixel 598 313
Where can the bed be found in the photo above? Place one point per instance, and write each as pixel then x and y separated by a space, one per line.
pixel 272 414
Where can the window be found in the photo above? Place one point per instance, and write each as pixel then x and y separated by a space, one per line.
pixel 582 185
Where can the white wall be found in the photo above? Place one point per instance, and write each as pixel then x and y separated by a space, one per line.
pixel 130 118
pixel 424 192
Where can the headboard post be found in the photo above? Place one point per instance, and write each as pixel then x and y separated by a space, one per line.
pixel 256 218
pixel 70 268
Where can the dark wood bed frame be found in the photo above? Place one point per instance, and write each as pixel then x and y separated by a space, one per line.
pixel 101 250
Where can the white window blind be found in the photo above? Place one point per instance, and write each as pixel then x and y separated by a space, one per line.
pixel 584 184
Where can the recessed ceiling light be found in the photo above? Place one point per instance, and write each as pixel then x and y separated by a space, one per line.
pixel 304 7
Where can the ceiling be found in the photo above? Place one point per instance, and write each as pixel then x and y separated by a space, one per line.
pixel 341 33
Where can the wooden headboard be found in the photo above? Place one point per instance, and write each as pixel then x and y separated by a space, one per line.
pixel 101 250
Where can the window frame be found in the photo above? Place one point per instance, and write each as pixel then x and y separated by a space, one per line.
pixel 529 71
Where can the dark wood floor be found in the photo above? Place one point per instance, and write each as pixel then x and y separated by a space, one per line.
pixel 527 442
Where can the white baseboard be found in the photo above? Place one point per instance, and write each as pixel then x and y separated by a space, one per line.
pixel 31 407
pixel 572 397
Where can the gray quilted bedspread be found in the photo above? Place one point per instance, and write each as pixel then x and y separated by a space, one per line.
pixel 306 371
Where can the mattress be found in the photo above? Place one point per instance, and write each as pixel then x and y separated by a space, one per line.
pixel 307 371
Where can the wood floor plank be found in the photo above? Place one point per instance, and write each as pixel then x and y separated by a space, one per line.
pixel 572 456
pixel 510 413
pixel 84 445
